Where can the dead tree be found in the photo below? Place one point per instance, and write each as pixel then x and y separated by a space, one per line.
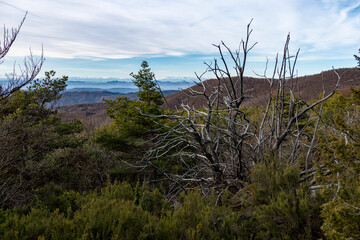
pixel 24 74
pixel 217 145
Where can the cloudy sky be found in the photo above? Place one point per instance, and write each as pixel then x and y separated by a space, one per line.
pixel 110 38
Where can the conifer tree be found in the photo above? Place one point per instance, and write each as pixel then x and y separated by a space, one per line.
pixel 149 92
pixel 131 116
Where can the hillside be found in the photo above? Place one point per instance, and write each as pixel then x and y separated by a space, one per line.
pixel 79 97
pixel 92 115
pixel 306 87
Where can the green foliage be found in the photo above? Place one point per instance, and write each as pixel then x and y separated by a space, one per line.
pixel 48 89
pixel 148 89
pixel 128 117
pixel 341 220
pixel 110 214
pixel 340 141
pixel 199 218
pixel 29 131
pixel 340 145
pixel 128 136
pixel 109 137
pixel 38 148
pixel 31 107
pixel 131 115
pixel 53 197
pixel 80 168
pixel 128 149
pixel 103 218
pixel 270 178
pixel 279 205
pixel 122 212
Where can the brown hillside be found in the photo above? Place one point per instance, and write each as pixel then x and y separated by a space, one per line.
pixel 92 115
pixel 307 88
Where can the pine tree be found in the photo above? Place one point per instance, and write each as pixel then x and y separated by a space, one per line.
pixel 131 116
pixel 149 92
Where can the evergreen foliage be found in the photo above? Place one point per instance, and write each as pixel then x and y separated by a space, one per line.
pixel 38 148
pixel 149 92
pixel 341 154
pixel 122 212
pixel 131 116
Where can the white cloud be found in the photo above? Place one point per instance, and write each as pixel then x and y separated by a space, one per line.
pixel 124 29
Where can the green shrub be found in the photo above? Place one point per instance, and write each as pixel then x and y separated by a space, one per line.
pixel 120 211
pixel 279 205
pixel 199 218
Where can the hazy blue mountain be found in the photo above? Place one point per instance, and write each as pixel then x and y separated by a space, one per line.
pixel 92 90
pixel 123 85
pixel 113 90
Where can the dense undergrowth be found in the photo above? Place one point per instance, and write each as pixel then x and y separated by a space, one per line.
pixel 122 211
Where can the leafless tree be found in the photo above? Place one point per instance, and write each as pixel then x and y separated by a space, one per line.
pixel 217 145
pixel 24 74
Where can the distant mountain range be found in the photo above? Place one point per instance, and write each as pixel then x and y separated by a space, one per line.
pixel 123 85
pixel 112 90
pixel 119 85
pixel 94 90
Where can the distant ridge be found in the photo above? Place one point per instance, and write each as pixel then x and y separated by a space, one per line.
pixel 307 88
pixel 94 89
pixel 123 85
pixel 80 97
pixel 92 95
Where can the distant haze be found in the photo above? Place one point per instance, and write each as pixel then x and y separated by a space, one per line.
pixel 123 85
pixel 117 85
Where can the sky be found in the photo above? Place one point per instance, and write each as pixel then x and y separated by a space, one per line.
pixel 110 38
